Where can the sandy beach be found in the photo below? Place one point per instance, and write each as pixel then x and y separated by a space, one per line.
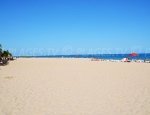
pixel 36 86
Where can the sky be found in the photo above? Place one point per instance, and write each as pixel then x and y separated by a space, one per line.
pixel 49 27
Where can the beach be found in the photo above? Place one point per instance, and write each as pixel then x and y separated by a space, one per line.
pixel 71 86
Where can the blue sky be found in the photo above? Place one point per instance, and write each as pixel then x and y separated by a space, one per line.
pixel 74 26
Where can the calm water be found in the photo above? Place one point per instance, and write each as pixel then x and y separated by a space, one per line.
pixel 100 56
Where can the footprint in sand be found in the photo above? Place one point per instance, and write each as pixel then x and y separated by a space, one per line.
pixel 8 77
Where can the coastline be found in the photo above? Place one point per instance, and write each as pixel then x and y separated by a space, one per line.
pixel 100 56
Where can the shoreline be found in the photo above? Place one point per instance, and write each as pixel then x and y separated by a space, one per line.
pixel 91 59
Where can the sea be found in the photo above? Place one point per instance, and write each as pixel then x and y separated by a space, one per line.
pixel 141 56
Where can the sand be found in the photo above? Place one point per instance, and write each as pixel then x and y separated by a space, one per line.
pixel 31 86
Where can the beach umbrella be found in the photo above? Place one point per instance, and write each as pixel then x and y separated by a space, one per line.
pixel 133 54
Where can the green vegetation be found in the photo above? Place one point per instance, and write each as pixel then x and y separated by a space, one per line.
pixel 0 49
pixel 5 55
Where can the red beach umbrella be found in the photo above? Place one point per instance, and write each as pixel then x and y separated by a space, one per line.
pixel 133 54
